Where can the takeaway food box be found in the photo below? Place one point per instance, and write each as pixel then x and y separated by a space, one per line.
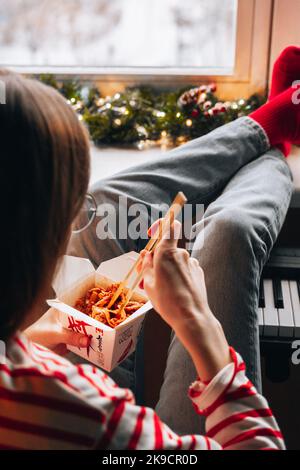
pixel 108 346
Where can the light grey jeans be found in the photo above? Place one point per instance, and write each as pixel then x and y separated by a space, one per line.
pixel 246 187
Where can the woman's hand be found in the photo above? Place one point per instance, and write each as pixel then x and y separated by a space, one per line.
pixel 176 287
pixel 48 332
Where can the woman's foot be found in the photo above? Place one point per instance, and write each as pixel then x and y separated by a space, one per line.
pixel 280 117
pixel 285 71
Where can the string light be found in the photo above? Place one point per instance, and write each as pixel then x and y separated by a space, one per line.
pixel 159 113
pixel 141 145
pixel 77 106
pixel 169 115
pixel 123 110
pixel 141 130
pixel 100 102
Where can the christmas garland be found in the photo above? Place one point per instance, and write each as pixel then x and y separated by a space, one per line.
pixel 144 116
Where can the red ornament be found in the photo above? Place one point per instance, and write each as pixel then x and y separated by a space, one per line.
pixel 207 105
pixel 195 113
pixel 213 87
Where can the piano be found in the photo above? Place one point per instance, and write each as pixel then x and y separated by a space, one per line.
pixel 279 298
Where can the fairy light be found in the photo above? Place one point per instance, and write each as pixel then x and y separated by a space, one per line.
pixel 123 110
pixel 117 96
pixel 77 106
pixel 141 145
pixel 163 134
pixel 181 140
pixel 241 102
pixel 141 130
pixel 178 115
pixel 234 106
pixel 80 117
pixel 100 101
pixel 73 100
pixel 108 105
pixel 159 113
pixel 188 122
pixel 117 122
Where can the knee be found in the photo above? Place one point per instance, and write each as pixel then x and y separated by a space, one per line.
pixel 232 227
pixel 232 232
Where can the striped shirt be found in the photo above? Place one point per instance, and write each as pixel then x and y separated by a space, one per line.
pixel 48 403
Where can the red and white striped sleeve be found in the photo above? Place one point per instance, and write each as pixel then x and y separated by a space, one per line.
pixel 49 403
pixel 237 418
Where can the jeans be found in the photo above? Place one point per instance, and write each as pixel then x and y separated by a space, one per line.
pixel 246 188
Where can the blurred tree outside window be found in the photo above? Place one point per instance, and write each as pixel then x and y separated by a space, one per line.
pixel 118 33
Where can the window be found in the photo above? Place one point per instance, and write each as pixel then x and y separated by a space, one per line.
pixel 118 33
pixel 124 42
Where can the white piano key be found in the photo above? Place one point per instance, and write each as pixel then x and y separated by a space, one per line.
pixel 261 320
pixel 285 315
pixel 296 307
pixel 271 323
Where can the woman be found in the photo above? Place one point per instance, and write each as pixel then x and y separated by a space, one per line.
pixel 49 403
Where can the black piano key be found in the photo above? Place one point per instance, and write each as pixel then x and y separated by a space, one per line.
pixel 278 296
pixel 261 298
pixel 298 285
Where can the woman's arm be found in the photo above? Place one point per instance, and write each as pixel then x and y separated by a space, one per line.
pixel 237 417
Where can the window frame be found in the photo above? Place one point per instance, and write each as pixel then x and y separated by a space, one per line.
pixel 250 74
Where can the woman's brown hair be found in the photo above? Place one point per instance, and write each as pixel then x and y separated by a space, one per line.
pixel 44 168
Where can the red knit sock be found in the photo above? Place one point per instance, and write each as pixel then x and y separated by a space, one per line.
pixel 280 117
pixel 285 71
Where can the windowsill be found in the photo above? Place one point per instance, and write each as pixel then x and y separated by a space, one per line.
pixel 106 161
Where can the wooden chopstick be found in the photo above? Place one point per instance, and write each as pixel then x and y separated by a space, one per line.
pixel 165 224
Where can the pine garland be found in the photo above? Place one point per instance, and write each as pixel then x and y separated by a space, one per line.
pixel 144 116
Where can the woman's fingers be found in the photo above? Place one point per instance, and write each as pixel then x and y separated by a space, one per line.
pixel 154 227
pixel 141 258
pixel 71 338
pixel 170 237
pixel 147 270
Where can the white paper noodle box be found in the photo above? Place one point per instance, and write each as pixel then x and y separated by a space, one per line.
pixel 108 346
